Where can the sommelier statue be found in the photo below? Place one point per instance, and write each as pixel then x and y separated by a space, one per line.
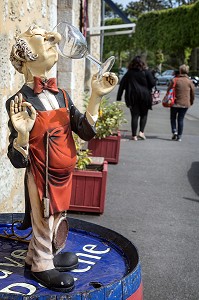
pixel 41 120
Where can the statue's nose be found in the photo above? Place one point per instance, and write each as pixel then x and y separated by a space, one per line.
pixel 53 37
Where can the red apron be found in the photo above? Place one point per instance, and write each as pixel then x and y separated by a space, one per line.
pixel 54 125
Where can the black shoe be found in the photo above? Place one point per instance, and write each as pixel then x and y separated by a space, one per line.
pixel 54 280
pixel 175 136
pixel 63 262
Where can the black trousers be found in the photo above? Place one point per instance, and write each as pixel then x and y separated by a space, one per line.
pixel 138 114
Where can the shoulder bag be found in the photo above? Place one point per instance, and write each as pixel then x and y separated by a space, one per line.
pixel 155 96
pixel 169 98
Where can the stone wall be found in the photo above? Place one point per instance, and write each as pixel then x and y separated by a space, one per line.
pixel 16 16
pixel 72 74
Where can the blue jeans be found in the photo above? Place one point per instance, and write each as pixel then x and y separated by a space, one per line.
pixel 177 115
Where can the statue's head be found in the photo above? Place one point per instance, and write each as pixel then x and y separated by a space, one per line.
pixel 35 51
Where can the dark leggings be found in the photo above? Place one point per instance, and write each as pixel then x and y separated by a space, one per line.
pixel 136 112
pixel 177 115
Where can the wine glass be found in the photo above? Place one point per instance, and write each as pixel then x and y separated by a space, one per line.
pixel 73 45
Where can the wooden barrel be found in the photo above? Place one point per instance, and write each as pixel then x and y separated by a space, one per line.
pixel 109 266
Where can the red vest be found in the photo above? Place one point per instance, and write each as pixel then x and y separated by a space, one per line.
pixel 53 125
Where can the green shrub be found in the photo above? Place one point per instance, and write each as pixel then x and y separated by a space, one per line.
pixel 83 159
pixel 110 117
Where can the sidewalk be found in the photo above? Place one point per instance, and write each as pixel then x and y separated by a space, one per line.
pixel 152 199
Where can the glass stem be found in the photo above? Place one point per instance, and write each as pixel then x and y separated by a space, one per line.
pixel 94 60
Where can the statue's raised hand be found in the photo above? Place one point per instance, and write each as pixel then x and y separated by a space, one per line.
pixel 21 120
pixel 105 85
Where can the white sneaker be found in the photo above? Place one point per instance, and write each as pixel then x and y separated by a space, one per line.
pixel 134 138
pixel 142 136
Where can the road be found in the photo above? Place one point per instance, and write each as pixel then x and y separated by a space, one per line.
pixel 152 199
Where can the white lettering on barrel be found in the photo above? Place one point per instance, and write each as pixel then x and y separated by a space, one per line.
pixel 16 254
pixel 86 248
pixel 14 263
pixel 89 248
pixel 21 254
pixel 31 288
pixel 5 272
pixel 87 255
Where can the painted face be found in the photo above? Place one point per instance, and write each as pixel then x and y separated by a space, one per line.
pixel 42 44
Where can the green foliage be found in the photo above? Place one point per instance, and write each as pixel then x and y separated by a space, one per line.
pixel 83 159
pixel 187 54
pixel 136 8
pixel 109 13
pixel 117 45
pixel 193 14
pixel 160 27
pixel 159 57
pixel 170 30
pixel 111 116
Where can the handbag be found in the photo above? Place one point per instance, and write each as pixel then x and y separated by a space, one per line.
pixel 169 98
pixel 155 96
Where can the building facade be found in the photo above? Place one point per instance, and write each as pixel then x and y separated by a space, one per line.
pixel 73 75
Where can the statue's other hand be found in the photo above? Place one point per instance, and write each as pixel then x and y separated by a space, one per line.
pixel 21 120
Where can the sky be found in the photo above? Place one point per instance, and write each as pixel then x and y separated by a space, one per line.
pixel 123 2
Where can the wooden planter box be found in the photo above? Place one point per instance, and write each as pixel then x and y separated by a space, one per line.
pixel 89 190
pixel 108 147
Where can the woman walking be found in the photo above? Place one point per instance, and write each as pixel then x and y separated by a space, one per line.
pixel 184 93
pixel 137 83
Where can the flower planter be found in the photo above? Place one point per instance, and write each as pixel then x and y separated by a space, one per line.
pixel 89 190
pixel 108 147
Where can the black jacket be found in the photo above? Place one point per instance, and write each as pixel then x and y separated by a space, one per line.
pixel 137 85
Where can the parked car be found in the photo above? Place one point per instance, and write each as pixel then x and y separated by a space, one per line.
pixel 195 80
pixel 165 77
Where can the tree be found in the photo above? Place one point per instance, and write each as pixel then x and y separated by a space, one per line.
pixel 185 2
pixel 159 58
pixel 135 9
pixel 118 45
pixel 109 13
pixel 173 31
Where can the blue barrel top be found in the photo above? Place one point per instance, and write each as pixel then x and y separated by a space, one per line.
pixel 108 268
